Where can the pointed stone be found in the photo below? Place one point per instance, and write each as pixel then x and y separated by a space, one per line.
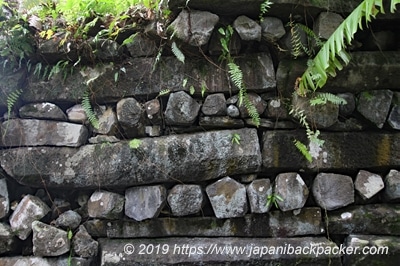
pixel 394 117
pixel 368 184
pixel 258 192
pixel 375 105
pixel 214 104
pixel 83 244
pixel 272 29
pixel 392 186
pixel 104 204
pixel 49 240
pixel 248 29
pixel 182 109
pixel 293 191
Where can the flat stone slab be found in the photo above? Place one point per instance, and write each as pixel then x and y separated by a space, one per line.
pixel 272 224
pixel 185 158
pixel 34 260
pixel 380 219
pixel 211 251
pixel 341 150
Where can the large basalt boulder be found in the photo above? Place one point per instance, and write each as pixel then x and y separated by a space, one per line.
pixel 326 23
pixel 214 104
pixel 186 157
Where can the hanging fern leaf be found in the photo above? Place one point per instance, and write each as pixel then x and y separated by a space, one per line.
pixel 236 75
pixel 178 53
pixel 163 92
pixel 252 110
pixel 87 106
pixel 303 149
pixel 323 98
pixel 12 99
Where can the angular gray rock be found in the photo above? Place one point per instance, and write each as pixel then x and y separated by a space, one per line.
pixel 258 192
pixel 185 199
pixel 153 131
pixel 4 199
pixel 33 132
pixel 29 209
pixel 258 103
pixel 185 157
pixel 326 23
pixel 248 29
pixel 233 111
pixel 107 205
pixel 83 244
pixel 214 104
pixel 212 122
pixel 333 191
pixel 42 110
pixel 392 186
pixel 276 109
pixel 368 184
pixel 348 108
pixel 106 49
pixel 193 27
pixel 375 105
pixel 228 198
pixel 144 202
pixel 272 29
pixel 49 241
pixel 108 124
pixel 68 220
pixel 292 189
pixel 182 109
pixel 152 108
pixel 130 116
pixel 77 114
pixel 142 46
pixel 394 117
pixel 7 239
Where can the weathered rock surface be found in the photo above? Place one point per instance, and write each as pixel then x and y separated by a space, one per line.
pixel 333 191
pixel 83 244
pixel 182 109
pixel 106 49
pixel 48 240
pixel 293 191
pixel 392 186
pixel 272 29
pixel 379 219
pixel 104 204
pixel 130 116
pixel 368 184
pixel 142 46
pixel 193 250
pixel 372 250
pixel 326 24
pixel 77 114
pixel 68 220
pixel 32 132
pixel 7 239
pixel 248 29
pixel 144 202
pixel 272 224
pixel 193 27
pixel 353 150
pixel 394 117
pixel 276 109
pixel 228 198
pixel 186 157
pixel 214 104
pixel 258 103
pixel 258 192
pixel 107 118
pixel 185 199
pixel 348 108
pixel 29 209
pixel 233 111
pixel 215 122
pixel 4 199
pixel 375 105
pixel 31 261
pixel 42 111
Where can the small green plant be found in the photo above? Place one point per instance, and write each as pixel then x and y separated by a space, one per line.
pixel 135 143
pixel 303 149
pixel 163 93
pixel 264 7
pixel 178 53
pixel 87 106
pixel 69 236
pixel 273 199
pixel 325 97
pixel 12 99
pixel 235 138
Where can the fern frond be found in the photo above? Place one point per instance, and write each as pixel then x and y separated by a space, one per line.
pixel 12 99
pixel 252 110
pixel 178 53
pixel 323 98
pixel 236 75
pixel 163 92
pixel 303 149
pixel 87 106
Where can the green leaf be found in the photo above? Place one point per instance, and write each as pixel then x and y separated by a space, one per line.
pixel 191 90
pixel 178 53
pixel 303 149
pixel 135 143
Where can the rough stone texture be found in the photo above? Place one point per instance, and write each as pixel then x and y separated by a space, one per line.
pixel 142 46
pixel 68 220
pixel 248 29
pixel 32 132
pixel 388 245
pixel 77 114
pixel 10 82
pixel 48 240
pixel 130 116
pixel 33 261
pixel 326 24
pixel 107 118
pixel 182 109
pixel 145 202
pixel 104 204
pixel 152 108
pixel 351 150
pixel 333 191
pixel 367 70
pixel 106 49
pixel 4 199
pixel 394 117
pixel 276 109
pixel 375 105
pixel 214 104
pixel 177 251
pixel 257 101
pixel 83 244
pixel 368 184
pixel 153 131
pixel 42 111
pixel 258 192
pixel 29 209
pixel 292 189
pixel 193 27
pixel 185 199
pixel 272 29
pixel 272 124
pixel 348 108
pixel 233 111
pixel 103 139
pixel 380 219
pixel 185 157
pixel 220 122
pixel 7 239
pixel 392 186
pixel 271 224
pixel 228 198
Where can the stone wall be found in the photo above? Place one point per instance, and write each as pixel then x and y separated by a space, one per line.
pixel 181 177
